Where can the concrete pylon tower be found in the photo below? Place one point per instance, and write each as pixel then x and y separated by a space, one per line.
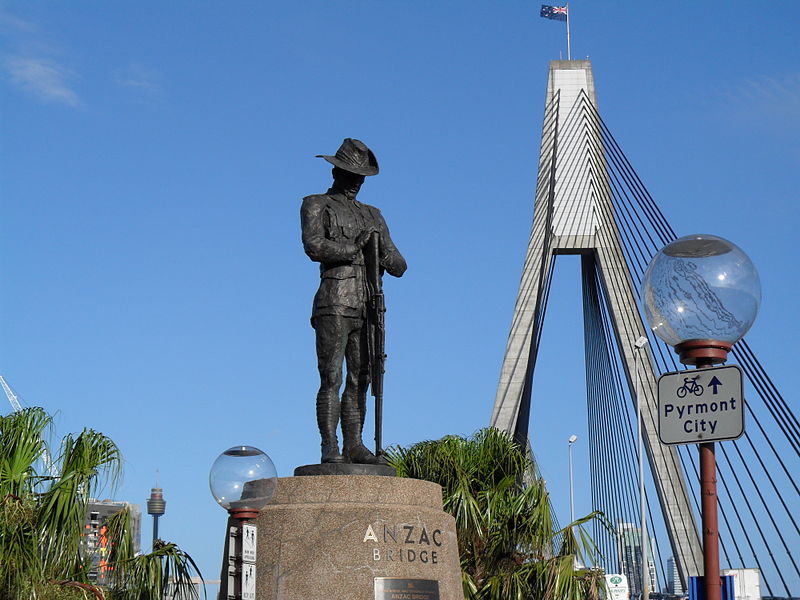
pixel 573 214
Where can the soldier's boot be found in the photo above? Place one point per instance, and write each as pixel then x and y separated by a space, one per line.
pixel 327 420
pixel 354 449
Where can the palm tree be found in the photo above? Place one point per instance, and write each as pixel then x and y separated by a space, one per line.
pixel 509 546
pixel 42 514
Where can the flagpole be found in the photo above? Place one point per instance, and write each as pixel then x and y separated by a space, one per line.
pixel 569 50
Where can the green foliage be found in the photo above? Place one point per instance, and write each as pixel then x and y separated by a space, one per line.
pixel 42 518
pixel 19 558
pixel 146 576
pixel 507 541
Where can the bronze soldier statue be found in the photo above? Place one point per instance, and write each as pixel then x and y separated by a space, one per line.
pixel 336 231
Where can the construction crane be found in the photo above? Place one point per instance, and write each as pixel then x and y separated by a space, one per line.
pixel 12 398
pixel 10 395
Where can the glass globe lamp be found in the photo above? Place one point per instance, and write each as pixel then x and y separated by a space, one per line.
pixel 701 294
pixel 243 480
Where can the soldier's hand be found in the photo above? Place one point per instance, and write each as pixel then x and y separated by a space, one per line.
pixel 363 237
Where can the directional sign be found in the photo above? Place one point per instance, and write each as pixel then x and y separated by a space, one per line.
pixel 701 405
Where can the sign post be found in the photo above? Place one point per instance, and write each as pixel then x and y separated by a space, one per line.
pixel 242 543
pixel 701 294
pixel 703 406
pixel 248 567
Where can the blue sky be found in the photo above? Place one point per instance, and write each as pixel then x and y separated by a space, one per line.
pixel 153 160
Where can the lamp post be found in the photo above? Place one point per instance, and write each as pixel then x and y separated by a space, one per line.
pixel 243 480
pixel 701 294
pixel 638 345
pixel 572 439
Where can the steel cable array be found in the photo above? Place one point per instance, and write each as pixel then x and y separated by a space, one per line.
pixel 759 497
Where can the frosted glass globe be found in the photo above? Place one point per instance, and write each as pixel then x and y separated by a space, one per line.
pixel 243 477
pixel 701 287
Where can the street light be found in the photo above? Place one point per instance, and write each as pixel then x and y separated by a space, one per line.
pixel 243 480
pixel 701 294
pixel 638 345
pixel 572 439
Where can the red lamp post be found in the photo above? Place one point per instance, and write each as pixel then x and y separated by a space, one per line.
pixel 243 480
pixel 701 294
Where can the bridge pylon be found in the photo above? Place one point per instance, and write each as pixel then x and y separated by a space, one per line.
pixel 574 214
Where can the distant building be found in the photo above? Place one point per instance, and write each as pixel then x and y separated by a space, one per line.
pixel 674 585
pixel 95 540
pixel 629 549
pixel 211 589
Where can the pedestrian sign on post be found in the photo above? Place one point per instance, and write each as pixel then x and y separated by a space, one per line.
pixel 249 542
pixel 701 405
pixel 249 535
pixel 617 587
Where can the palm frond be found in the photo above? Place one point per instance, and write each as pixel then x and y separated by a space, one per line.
pixel 42 518
pixel 85 460
pixel 20 562
pixel 22 444
pixel 505 528
pixel 119 528
pixel 166 572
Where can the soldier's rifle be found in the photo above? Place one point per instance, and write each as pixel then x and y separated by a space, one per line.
pixel 376 333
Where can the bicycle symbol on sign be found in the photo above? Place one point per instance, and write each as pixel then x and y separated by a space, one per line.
pixel 690 386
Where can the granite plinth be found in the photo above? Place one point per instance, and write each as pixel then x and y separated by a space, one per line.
pixel 328 537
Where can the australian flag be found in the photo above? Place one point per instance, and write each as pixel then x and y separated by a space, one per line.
pixel 558 13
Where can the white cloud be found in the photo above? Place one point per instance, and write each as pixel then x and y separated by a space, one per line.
pixel 140 79
pixel 9 22
pixel 43 78
pixel 767 98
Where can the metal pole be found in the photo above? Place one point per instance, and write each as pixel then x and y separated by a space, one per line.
pixel 569 50
pixel 642 519
pixel 708 509
pixel 572 439
pixel 571 494
pixel 239 568
pixel 644 541
pixel 708 492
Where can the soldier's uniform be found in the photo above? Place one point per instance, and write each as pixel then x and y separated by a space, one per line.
pixel 332 225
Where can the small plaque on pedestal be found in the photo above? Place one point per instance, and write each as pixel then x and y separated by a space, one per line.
pixel 397 588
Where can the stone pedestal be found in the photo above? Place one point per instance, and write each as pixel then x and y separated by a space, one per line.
pixel 330 537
